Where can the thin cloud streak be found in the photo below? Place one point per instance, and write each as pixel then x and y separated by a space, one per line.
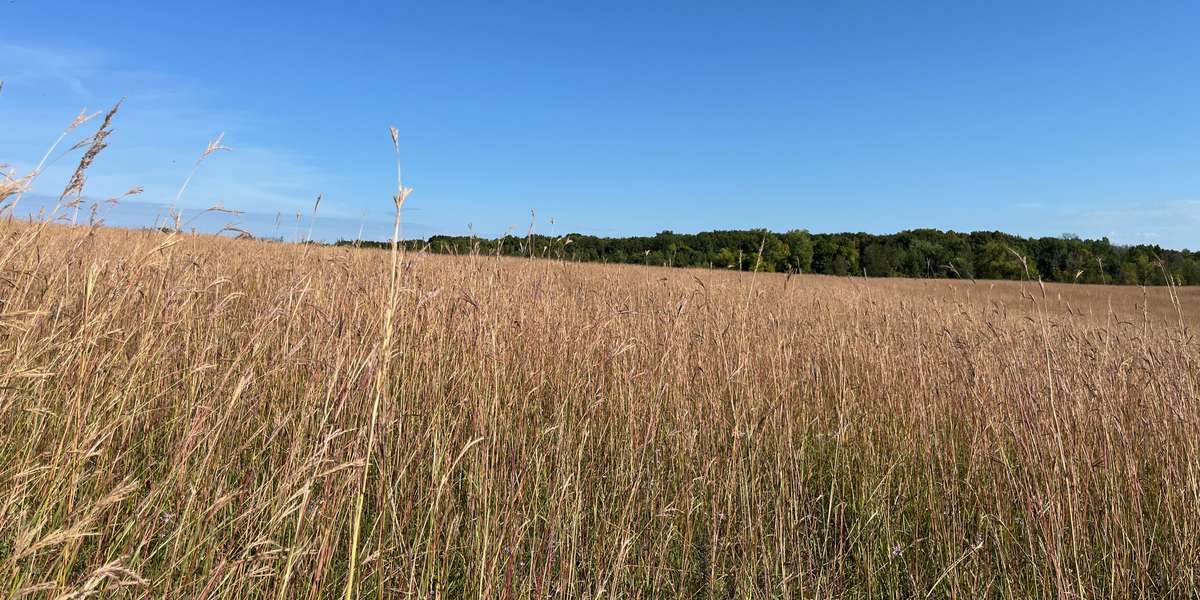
pixel 161 130
pixel 285 225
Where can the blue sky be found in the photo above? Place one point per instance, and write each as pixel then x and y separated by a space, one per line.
pixel 629 118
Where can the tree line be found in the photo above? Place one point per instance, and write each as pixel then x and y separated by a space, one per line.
pixel 916 253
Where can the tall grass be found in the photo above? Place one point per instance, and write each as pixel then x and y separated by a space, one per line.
pixel 202 417
pixel 189 416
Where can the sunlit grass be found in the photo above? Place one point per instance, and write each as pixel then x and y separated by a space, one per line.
pixel 189 416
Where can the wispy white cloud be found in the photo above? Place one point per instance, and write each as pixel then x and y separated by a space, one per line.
pixel 1028 206
pixel 162 128
pixel 135 213
pixel 1173 223
pixel 34 65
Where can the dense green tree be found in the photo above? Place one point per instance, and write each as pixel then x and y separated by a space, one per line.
pixel 997 261
pixel 915 253
pixel 775 253
pixel 800 250
pixel 836 255
pixel 880 259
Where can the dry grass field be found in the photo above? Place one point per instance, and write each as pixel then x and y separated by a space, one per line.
pixel 198 417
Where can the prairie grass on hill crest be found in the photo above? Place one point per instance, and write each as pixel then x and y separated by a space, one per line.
pixel 190 416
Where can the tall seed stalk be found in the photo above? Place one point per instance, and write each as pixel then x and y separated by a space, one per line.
pixel 213 147
pixel 79 120
pixel 385 351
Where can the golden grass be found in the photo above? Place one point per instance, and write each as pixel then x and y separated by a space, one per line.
pixel 189 416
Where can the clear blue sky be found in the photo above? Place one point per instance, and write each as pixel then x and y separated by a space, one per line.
pixel 1036 118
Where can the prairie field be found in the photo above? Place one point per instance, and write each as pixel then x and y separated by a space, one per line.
pixel 192 416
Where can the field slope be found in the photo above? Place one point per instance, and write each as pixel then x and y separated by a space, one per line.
pixel 189 416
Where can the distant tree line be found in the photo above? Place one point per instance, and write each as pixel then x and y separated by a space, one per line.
pixel 916 253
